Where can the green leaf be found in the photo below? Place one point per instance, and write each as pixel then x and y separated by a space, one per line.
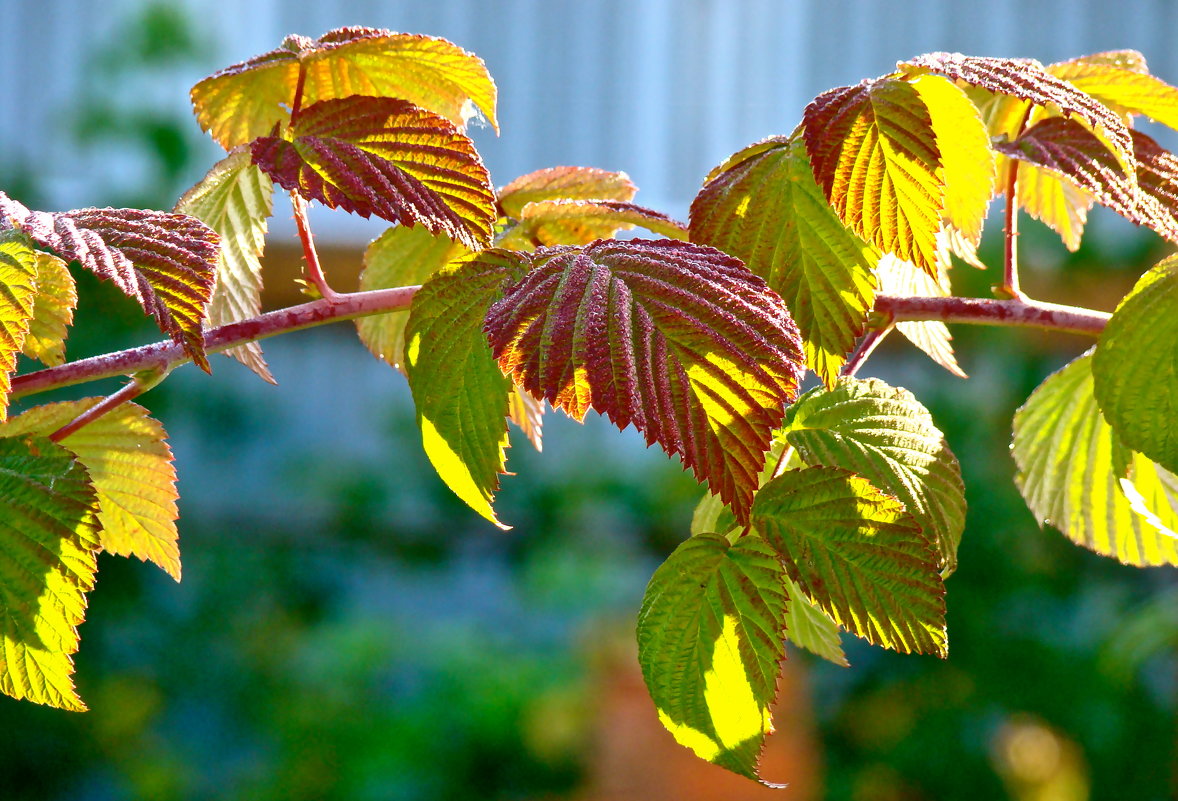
pixel 1121 81
pixel 461 396
pixel 1026 79
pixel 400 257
pixel 712 515
pixel 680 340
pixel 764 207
pixel 126 455
pixel 884 434
pixel 1072 469
pixel 48 542
pixel 53 311
pixel 1070 150
pixel 857 554
pixel 245 101
pixel 234 199
pixel 967 160
pixel 710 642
pixel 565 183
pixel 167 262
pixel 901 278
pixel 371 155
pixel 18 288
pixel 874 152
pixel 1136 366
pixel 806 626
pixel 579 222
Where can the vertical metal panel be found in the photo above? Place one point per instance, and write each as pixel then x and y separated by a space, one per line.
pixel 663 89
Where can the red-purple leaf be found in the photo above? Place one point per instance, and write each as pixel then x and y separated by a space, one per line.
pixel 1157 181
pixel 565 183
pixel 386 157
pixel 1027 79
pixel 167 262
pixel 680 340
pixel 1069 149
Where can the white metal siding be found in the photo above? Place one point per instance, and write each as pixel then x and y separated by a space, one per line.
pixel 663 89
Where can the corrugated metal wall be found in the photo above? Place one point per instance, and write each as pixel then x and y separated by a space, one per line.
pixel 664 89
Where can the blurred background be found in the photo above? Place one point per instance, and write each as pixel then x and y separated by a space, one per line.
pixel 346 629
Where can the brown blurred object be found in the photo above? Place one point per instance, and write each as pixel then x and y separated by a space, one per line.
pixel 633 758
pixel 282 266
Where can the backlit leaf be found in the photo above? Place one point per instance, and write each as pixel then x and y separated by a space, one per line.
pixel 1072 468
pixel 1157 181
pixel 53 311
pixel 680 340
pixel 902 279
pixel 165 261
pixel 1121 81
pixel 1027 79
pixel 806 626
pixel 528 415
pixel 1055 201
pixel 875 155
pixel 579 222
pixel 857 554
pixel 48 542
pixel 400 257
pixel 234 199
pixel 129 462
pixel 18 288
pixel 371 155
pixel 461 396
pixel 884 434
pixel 1070 150
pixel 1136 366
pixel 764 207
pixel 710 643
pixel 244 101
pixel 967 161
pixel 565 183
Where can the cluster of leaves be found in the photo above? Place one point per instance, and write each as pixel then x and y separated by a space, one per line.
pixel 840 510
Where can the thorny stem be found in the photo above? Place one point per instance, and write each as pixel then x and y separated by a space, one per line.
pixel 1010 286
pixel 986 311
pixel 786 452
pixel 866 347
pixel 132 389
pixel 297 104
pixel 314 271
pixel 166 355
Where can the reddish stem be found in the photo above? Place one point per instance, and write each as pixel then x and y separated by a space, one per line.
pixel 131 389
pixel 168 354
pixel 297 105
pixel 986 311
pixel 165 355
pixel 314 270
pixel 1010 285
pixel 866 347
